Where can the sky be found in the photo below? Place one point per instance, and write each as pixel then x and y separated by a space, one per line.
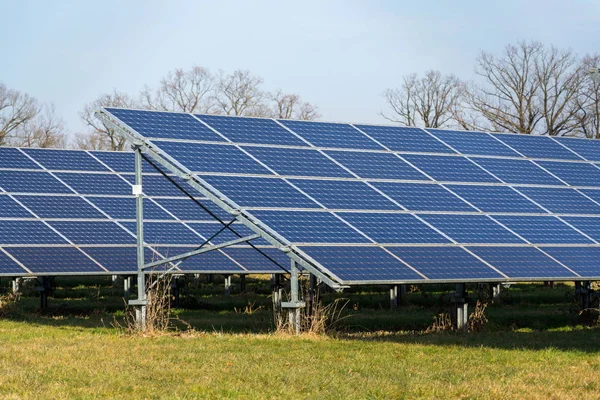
pixel 339 55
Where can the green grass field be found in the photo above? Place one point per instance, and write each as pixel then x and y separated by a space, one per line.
pixel 533 347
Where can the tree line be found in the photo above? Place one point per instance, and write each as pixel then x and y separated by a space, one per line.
pixel 528 88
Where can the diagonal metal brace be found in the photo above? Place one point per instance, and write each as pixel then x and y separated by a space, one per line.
pixel 200 251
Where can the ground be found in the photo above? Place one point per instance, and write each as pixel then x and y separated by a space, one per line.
pixel 533 347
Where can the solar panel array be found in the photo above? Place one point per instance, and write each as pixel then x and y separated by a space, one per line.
pixel 73 212
pixel 367 203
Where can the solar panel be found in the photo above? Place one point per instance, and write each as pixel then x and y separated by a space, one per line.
pixel 495 199
pixel 471 228
pixel 473 143
pixel 13 158
pixel 31 182
pixel 28 232
pixel 9 266
pixel 124 208
pixel 323 134
pixel 377 165
pixel 65 160
pixel 59 206
pixel 517 171
pixel 449 169
pixel 95 183
pixel 561 201
pixel 254 261
pixel 405 139
pixel 445 263
pixel 588 149
pixel 211 261
pixel 588 225
pixel 251 130
pixel 11 209
pixel 161 233
pixel 45 260
pixel 537 147
pixel 540 230
pixel 582 260
pixel 187 209
pixel 575 174
pixel 423 197
pixel 86 232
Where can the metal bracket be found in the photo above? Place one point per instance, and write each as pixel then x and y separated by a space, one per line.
pixel 293 304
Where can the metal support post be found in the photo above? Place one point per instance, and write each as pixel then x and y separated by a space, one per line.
pixel 312 291
pixel 141 302
pixel 114 280
pixel 495 292
pixel 126 287
pixel 227 284
pixel 175 291
pixel 294 304
pixel 394 296
pixel 16 287
pixel 584 293
pixel 243 283
pixel 277 291
pixel 460 309
pixel 44 289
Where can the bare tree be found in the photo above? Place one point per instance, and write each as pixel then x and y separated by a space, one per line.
pixel 16 109
pixel 429 101
pixel 588 100
pixel 45 130
pixel 184 91
pixel 239 94
pixel 110 140
pixel 288 106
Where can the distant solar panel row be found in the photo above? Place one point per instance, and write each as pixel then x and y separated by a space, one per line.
pixel 382 204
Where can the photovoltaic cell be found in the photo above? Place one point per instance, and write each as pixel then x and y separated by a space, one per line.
pixel 586 148
pixel 540 230
pixel 209 261
pixel 108 184
pixel 212 158
pixel 495 198
pixel 124 208
pixel 537 146
pixel 28 232
pixel 405 139
pixel 9 266
pixel 187 209
pixel 582 260
pixel 252 260
pixel 575 174
pixel 209 229
pixel 121 161
pixel 588 225
pixel 165 125
pixel 159 233
pixel 393 228
pixel 67 160
pixel 13 158
pixel 594 194
pixel 449 169
pixel 54 260
pixel 309 227
pixel 423 197
pixel 377 165
pixel 157 185
pixel 361 263
pixel 251 130
pixel 517 171
pixel 473 143
pixel 31 182
pixel 561 201
pixel 350 195
pixel 11 209
pixel 297 162
pixel 119 259
pixel 522 262
pixel 80 232
pixel 260 192
pixel 324 134
pixel 447 263
pixel 471 228
pixel 59 206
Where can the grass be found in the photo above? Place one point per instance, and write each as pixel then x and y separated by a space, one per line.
pixel 532 348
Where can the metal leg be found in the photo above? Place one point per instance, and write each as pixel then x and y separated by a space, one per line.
pixel 394 296
pixel 126 287
pixel 459 300
pixel 16 287
pixel 294 304
pixel 141 302
pixel 584 293
pixel 44 289
pixel 495 289
pixel 227 285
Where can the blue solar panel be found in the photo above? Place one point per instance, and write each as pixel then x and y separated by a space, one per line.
pixel 9 266
pixel 95 183
pixel 586 148
pixel 377 165
pixel 11 209
pixel 324 134
pixel 297 162
pixel 31 182
pixel 310 227
pixel 13 158
pixel 537 146
pixel 588 225
pixel 124 208
pixel 540 230
pixel 260 192
pixel 445 263
pixel 157 233
pixel 575 174
pixel 393 228
pixel 423 197
pixel 212 158
pixel 187 209
pixel 165 125
pixel 121 161
pixel 449 169
pixel 80 232
pixel 209 261
pixel 561 201
pixel 28 232
pixel 59 206
pixel 470 142
pixel 594 194
pixel 361 263
pixel 158 185
pixel 495 198
pixel 66 160
pixel 582 260
pixel 349 195
pixel 471 228
pixel 522 262
pixel 251 130
pixel 45 260
pixel 517 171
pixel 253 261
pixel 119 259
pixel 405 139
pixel 208 229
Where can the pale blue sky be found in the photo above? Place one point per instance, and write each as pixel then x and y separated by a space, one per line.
pixel 339 55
